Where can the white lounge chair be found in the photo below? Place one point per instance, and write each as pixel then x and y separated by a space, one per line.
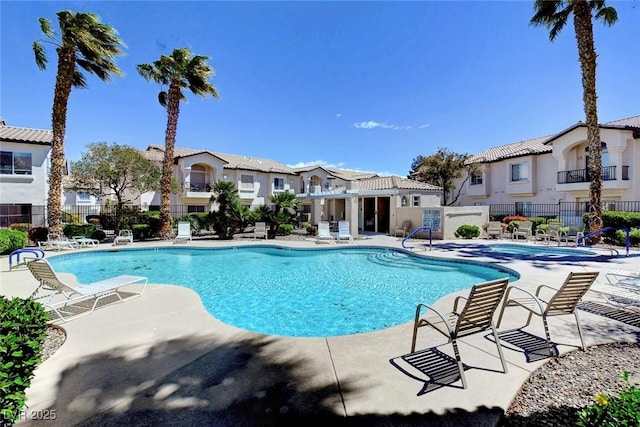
pixel 324 233
pixel 551 233
pixel 260 230
pixel 494 229
pixel 524 229
pixel 71 300
pixel 56 242
pixel 343 232
pixel 184 232
pixel 124 237
pixel 572 235
pixel 403 228
pixel 622 289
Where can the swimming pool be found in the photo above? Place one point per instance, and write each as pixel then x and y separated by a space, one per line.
pixel 541 250
pixel 294 292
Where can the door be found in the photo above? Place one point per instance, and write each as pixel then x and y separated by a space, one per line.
pixel 369 214
pixel 384 204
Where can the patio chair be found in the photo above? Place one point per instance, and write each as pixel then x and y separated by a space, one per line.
pixel 66 299
pixel 563 301
pixel 494 229
pixel 403 228
pixel 343 232
pixel 476 316
pixel 524 229
pixel 551 233
pixel 56 242
pixel 184 232
pixel 324 233
pixel 571 235
pixel 124 237
pixel 622 289
pixel 260 230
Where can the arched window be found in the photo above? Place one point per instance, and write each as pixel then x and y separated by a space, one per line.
pixel 198 178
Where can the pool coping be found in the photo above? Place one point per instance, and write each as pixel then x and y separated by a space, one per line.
pixel 139 355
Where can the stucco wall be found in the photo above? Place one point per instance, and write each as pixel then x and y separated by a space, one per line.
pixel 26 189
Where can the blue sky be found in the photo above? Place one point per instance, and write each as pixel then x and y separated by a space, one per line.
pixel 357 85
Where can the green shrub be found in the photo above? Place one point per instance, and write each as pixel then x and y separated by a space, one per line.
pixel 20 226
pixel 70 218
pixel 467 231
pixel 614 411
pixel 77 229
pixel 140 231
pixel 312 230
pixel 286 229
pixel 11 240
pixel 620 237
pixel 24 329
pixel 38 234
pixel 99 235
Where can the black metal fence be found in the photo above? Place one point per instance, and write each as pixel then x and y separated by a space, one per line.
pixel 36 214
pixel 570 212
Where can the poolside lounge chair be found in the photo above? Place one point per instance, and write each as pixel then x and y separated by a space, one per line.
pixel 324 233
pixel 124 237
pixel 343 232
pixel 563 301
pixel 571 235
pixel 184 232
pixel 622 289
pixel 551 233
pixel 494 229
pixel 524 229
pixel 403 228
pixel 260 230
pixel 71 300
pixel 476 316
pixel 56 242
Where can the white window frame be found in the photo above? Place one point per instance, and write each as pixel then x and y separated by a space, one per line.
pixel 83 197
pixel 476 178
pixel 522 172
pixel 415 200
pixel 247 182
pixel 15 163
pixel 277 187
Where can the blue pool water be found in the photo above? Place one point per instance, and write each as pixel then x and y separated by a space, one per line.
pixel 294 292
pixel 541 250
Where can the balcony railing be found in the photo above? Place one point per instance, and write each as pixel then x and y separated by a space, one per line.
pixel 199 187
pixel 582 175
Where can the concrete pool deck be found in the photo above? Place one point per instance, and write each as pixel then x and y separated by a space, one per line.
pixel 162 358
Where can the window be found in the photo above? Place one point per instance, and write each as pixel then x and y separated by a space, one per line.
pixel 415 202
pixel 195 208
pixel 246 182
pixel 84 197
pixel 520 172
pixel 278 183
pixel 15 163
pixel 476 178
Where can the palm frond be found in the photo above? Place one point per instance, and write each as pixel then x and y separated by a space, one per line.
pixel 78 79
pixel 45 27
pixel 607 15
pixel 40 54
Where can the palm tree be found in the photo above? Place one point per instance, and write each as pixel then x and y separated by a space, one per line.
pixel 227 219
pixel 179 70
pixel 86 44
pixel 285 207
pixel 553 14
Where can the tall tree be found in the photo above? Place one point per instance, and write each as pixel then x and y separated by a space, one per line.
pixel 114 169
pixel 553 14
pixel 227 218
pixel 441 169
pixel 177 71
pixel 86 44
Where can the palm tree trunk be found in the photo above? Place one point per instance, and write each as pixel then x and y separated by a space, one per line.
pixel 64 80
pixel 173 111
pixel 587 53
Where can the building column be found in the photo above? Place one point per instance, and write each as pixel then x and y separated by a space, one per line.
pixel 351 214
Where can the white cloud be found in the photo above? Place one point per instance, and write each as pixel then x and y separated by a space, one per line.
pixel 372 124
pixel 423 126
pixel 318 163
pixel 338 115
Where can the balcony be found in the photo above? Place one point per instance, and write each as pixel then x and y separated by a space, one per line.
pixel 582 175
pixel 198 190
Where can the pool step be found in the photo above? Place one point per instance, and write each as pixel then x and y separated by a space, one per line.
pixel 392 259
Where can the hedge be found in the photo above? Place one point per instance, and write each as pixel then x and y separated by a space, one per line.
pixel 11 240
pixel 24 329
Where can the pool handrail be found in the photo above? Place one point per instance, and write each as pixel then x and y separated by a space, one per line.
pixel 581 240
pixel 415 232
